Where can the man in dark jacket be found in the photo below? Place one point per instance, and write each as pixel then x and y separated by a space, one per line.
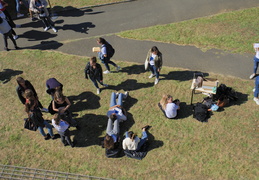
pixel 94 71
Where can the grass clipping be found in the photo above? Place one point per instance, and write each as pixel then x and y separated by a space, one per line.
pixel 224 148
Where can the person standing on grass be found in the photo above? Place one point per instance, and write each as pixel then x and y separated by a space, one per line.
pixel 34 113
pixel 53 85
pixel 154 58
pixel 256 90
pixel 256 59
pixel 104 55
pixel 95 73
pixel 20 89
pixel 6 30
pixel 62 127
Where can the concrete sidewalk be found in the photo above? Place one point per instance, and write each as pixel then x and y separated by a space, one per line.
pixel 78 30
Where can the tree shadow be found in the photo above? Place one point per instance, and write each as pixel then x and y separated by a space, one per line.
pixel 180 75
pixel 81 28
pixel 83 101
pixel 6 75
pixel 130 85
pixel 134 69
pixel 91 127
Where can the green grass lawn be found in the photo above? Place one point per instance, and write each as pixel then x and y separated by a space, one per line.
pixel 224 148
pixel 235 31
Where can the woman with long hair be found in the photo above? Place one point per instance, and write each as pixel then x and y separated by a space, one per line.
pixel 155 62
pixel 169 106
pixel 34 113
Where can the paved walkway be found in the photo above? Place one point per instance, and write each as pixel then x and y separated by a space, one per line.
pixel 78 30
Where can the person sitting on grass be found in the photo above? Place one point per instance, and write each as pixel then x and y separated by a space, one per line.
pixel 169 106
pixel 116 111
pixel 133 142
pixel 34 113
pixel 62 127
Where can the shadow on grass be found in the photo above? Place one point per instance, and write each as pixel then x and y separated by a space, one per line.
pixel 6 75
pixel 180 75
pixel 130 85
pixel 153 144
pixel 134 69
pixel 83 101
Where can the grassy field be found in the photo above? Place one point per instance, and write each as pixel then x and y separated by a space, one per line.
pixel 235 31
pixel 224 148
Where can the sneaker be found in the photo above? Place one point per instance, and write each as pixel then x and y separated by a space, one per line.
pixel 16 47
pixel 15 37
pixel 46 28
pixel 118 68
pixel 98 91
pixel 147 127
pixel 117 94
pixel 47 137
pixel 19 15
pixel 105 85
pixel 254 90
pixel 44 110
pixel 54 29
pixel 156 81
pixel 34 19
pixel 151 75
pixel 252 76
pixel 106 72
pixel 256 100
pixel 17 26
pixel 126 95
pixel 6 49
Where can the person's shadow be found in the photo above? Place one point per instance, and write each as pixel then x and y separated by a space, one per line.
pixel 130 85
pixel 180 75
pixel 134 69
pixel 81 28
pixel 6 75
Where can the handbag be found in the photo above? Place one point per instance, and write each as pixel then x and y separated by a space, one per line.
pixel 30 125
pixel 146 64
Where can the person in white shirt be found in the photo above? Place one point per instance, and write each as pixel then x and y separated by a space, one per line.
pixel 169 106
pixel 116 110
pixel 62 127
pixel 256 59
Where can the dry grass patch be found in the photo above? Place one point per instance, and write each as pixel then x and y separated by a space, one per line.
pixel 224 148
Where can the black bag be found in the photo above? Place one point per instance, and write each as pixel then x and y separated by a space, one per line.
pixel 30 125
pixel 109 50
pixel 140 154
pixel 51 111
pixel 201 112
pixel 225 91
pixel 112 153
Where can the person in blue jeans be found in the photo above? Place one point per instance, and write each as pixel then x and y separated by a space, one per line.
pixel 116 110
pixel 256 59
pixel 34 113
pixel 256 90
pixel 133 142
pixel 154 58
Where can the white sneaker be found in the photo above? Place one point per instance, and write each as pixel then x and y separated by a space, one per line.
pixel 252 76
pixel 20 15
pixel 117 94
pixel 254 90
pixel 17 26
pixel 256 100
pixel 46 28
pixel 118 68
pixel 156 81
pixel 98 91
pixel 44 110
pixel 105 85
pixel 106 72
pixel 126 94
pixel 151 75
pixel 54 29
pixel 15 37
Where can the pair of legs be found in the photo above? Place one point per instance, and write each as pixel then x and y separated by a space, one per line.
pixel 121 96
pixel 65 137
pixel 49 127
pixel 256 63
pixel 112 128
pixel 18 5
pixel 95 80
pixel 106 61
pixel 5 36
pixel 256 92
pixel 143 139
pixel 154 70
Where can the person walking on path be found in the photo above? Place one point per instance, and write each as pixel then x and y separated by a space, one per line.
pixel 6 30
pixel 154 59
pixel 256 90
pixel 95 73
pixel 62 127
pixel 105 55
pixel 256 59
pixel 2 15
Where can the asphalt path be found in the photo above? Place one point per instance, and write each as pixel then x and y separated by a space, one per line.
pixel 78 29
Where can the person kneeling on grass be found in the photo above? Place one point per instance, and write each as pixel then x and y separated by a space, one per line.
pixel 95 73
pixel 116 111
pixel 169 106
pixel 62 127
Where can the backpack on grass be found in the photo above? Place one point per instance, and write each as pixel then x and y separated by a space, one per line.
pixel 201 112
